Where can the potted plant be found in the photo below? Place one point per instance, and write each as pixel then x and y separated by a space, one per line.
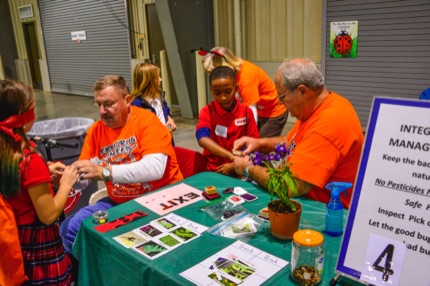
pixel 284 213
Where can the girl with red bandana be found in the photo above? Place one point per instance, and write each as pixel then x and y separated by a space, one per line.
pixel 26 185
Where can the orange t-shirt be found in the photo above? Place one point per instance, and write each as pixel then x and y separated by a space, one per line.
pixel 256 87
pixel 142 135
pixel 327 147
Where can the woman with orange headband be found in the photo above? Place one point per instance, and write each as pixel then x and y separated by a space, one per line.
pixel 28 189
pixel 255 89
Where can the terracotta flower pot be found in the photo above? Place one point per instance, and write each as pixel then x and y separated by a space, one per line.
pixel 284 225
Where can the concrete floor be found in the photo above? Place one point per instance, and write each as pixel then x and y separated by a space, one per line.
pixel 51 105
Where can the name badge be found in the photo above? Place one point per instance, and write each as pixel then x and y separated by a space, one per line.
pixel 240 121
pixel 221 131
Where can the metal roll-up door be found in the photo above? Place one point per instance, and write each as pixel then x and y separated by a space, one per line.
pixel 74 66
pixel 393 54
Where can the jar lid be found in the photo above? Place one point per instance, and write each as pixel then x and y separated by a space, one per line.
pixel 308 237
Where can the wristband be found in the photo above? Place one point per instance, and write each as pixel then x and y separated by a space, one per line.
pixel 246 171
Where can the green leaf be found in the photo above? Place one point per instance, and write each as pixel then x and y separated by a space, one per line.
pixel 291 206
pixel 281 182
pixel 291 183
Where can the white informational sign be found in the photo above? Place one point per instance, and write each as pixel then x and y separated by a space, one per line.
pixel 387 236
pixel 80 35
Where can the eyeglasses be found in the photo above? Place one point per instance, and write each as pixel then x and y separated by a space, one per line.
pixel 106 104
pixel 281 96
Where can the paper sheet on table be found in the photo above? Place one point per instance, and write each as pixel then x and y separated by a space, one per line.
pixel 162 235
pixel 239 263
pixel 170 199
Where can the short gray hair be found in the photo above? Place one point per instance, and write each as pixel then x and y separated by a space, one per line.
pixel 301 71
pixel 117 81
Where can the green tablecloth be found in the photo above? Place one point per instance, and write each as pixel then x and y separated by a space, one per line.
pixel 103 261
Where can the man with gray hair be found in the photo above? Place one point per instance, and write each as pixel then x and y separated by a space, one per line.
pixel 326 141
pixel 128 148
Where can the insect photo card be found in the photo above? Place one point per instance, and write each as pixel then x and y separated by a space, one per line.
pixel 151 249
pixel 129 239
pixel 343 39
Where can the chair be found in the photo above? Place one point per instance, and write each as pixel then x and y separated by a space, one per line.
pixel 190 162
pixel 98 195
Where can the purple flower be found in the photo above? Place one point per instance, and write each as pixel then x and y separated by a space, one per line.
pixel 255 158
pixel 266 158
pixel 279 156
pixel 281 149
pixel 272 156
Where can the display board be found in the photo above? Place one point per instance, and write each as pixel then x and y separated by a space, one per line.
pixel 387 236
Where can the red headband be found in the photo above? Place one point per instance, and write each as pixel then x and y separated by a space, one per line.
pixel 16 121
pixel 203 52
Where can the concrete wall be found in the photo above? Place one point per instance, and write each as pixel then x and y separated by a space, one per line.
pixel 8 51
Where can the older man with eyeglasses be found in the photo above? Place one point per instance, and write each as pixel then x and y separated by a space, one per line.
pixel 326 141
pixel 128 148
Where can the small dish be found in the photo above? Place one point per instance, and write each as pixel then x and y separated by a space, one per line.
pixel 228 190
pixel 100 217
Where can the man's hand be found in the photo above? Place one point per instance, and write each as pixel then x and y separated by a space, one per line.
pixel 249 145
pixel 88 170
pixel 240 163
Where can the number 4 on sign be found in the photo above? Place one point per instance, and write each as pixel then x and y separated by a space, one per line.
pixel 383 261
pixel 386 269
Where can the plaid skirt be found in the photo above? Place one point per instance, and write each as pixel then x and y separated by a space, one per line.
pixel 45 260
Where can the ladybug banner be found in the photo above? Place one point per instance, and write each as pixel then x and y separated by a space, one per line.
pixel 343 39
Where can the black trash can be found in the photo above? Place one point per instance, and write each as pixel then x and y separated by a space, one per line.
pixel 61 140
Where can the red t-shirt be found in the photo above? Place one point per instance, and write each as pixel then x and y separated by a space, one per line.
pixel 142 135
pixel 34 171
pixel 256 87
pixel 327 147
pixel 225 128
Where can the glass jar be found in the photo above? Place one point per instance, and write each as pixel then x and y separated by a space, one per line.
pixel 307 257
